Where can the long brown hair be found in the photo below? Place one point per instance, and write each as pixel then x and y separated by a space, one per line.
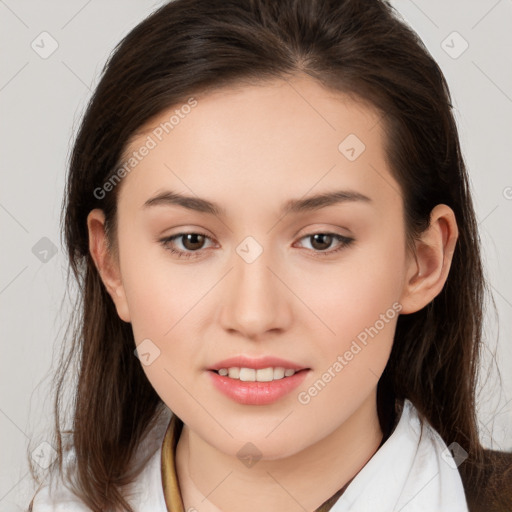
pixel 358 47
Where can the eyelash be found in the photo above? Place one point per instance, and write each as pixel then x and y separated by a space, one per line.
pixel 344 243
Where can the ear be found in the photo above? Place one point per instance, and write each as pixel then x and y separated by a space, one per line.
pixel 106 262
pixel 428 268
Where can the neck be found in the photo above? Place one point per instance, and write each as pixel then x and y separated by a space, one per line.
pixel 212 481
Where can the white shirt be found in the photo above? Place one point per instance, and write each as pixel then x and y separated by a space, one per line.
pixel 409 473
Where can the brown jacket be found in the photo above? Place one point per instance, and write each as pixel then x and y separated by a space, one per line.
pixel 495 492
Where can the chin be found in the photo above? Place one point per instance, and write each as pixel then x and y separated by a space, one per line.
pixel 259 447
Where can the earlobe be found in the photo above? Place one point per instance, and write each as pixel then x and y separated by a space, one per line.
pixel 106 263
pixel 428 268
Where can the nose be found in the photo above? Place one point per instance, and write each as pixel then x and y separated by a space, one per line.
pixel 256 302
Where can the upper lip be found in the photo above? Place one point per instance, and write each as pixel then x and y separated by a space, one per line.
pixel 256 363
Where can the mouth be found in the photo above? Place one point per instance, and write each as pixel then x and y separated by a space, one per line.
pixel 257 386
pixel 261 369
pixel 268 374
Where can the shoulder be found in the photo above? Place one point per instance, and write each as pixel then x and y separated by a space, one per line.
pixel 434 466
pixel 145 492
pixel 411 471
pixel 56 498
pixel 487 485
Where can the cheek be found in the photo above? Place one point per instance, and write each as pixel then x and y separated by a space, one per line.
pixel 358 299
pixel 351 294
pixel 159 292
pixel 362 310
pixel 166 300
pixel 161 298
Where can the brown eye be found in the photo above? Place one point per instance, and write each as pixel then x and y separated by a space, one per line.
pixel 185 245
pixel 193 241
pixel 321 241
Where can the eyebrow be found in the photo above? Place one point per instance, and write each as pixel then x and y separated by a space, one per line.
pixel 316 202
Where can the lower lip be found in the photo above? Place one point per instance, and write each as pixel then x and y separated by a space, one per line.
pixel 257 393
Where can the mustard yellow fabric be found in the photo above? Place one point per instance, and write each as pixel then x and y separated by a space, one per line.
pixel 172 492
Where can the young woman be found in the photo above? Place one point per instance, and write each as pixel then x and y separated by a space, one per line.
pixel 281 288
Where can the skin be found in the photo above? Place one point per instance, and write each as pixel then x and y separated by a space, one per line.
pixel 249 149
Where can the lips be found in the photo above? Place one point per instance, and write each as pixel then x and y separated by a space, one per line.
pixel 256 393
pixel 248 380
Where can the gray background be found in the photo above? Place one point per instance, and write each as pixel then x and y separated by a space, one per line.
pixel 41 101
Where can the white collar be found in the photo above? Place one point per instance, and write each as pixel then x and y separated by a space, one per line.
pixel 413 471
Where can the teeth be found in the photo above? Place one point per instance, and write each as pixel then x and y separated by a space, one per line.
pixel 265 375
pixel 234 373
pixel 279 373
pixel 247 374
pixel 260 375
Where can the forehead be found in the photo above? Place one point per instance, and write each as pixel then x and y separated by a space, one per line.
pixel 264 142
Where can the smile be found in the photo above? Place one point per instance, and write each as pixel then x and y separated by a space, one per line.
pixel 256 392
pixel 253 375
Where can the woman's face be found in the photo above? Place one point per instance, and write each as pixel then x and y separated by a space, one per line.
pixel 257 283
